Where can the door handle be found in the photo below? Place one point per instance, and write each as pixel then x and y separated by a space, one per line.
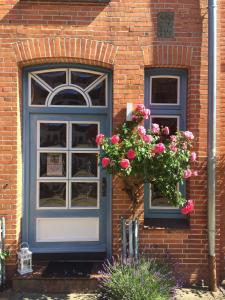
pixel 104 187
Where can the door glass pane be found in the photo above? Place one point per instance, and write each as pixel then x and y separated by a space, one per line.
pixel 38 93
pixel 53 135
pixel 83 79
pixel 164 90
pixel 52 164
pixel 84 194
pixel 84 164
pixel 53 79
pixel 172 123
pixel 52 194
pixel 98 94
pixel 68 97
pixel 84 135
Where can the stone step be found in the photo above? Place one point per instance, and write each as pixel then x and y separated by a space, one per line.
pixel 35 282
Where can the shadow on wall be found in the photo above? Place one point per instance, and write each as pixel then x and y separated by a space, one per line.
pixel 50 14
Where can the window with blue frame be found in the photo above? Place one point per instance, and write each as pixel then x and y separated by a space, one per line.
pixel 166 96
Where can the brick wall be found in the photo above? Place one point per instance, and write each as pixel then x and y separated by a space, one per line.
pixel 120 35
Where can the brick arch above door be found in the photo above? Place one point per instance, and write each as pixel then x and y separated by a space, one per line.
pixel 62 49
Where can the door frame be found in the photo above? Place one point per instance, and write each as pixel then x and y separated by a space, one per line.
pixel 28 111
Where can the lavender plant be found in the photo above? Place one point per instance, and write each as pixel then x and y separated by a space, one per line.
pixel 148 279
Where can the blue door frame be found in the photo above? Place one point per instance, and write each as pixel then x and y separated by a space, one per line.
pixel 30 117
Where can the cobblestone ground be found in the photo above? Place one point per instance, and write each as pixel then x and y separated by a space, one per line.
pixel 182 294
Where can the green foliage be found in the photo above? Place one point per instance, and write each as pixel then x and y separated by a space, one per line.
pixel 146 280
pixel 4 254
pixel 163 168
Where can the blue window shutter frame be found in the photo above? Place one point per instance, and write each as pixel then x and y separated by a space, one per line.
pixel 165 110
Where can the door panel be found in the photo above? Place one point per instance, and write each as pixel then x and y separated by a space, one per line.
pixel 67 207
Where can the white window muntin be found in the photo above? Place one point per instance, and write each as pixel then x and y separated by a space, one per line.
pixel 38 194
pixel 81 181
pixel 167 117
pixel 71 87
pixel 94 84
pixel 56 152
pixel 80 148
pixel 178 91
pixel 51 71
pixel 68 84
pixel 70 165
pixel 53 148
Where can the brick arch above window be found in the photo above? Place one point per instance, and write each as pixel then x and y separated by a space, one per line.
pixel 65 49
pixel 167 55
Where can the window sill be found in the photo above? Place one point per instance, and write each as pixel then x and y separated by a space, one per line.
pixel 161 223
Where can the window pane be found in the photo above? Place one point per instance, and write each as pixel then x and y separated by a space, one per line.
pixel 53 79
pixel 164 90
pixel 157 199
pixel 84 194
pixel 52 194
pixel 84 165
pixel 165 121
pixel 52 164
pixel 98 94
pixel 68 97
pixel 38 93
pixel 52 135
pixel 83 79
pixel 83 135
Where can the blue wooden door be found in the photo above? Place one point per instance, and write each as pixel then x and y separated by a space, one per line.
pixel 67 190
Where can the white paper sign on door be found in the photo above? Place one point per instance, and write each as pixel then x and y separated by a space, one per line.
pixel 54 164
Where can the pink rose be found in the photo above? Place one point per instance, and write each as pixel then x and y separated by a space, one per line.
pixel 141 130
pixel 195 173
pixel 159 148
pixel 140 107
pixel 125 163
pixel 99 138
pixel 173 138
pixel 147 138
pixel 115 139
pixel 188 134
pixel 146 113
pixel 131 154
pixel 193 156
pixel 187 173
pixel 134 118
pixel 105 162
pixel 188 207
pixel 173 147
pixel 166 130
pixel 155 128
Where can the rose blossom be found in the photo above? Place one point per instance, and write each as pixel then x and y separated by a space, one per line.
pixel 193 156
pixel 99 138
pixel 166 130
pixel 124 163
pixel 187 173
pixel 147 138
pixel 105 162
pixel 188 134
pixel 131 154
pixel 115 139
pixel 146 113
pixel 159 148
pixel 140 107
pixel 173 138
pixel 134 118
pixel 141 130
pixel 155 128
pixel 173 147
pixel 188 207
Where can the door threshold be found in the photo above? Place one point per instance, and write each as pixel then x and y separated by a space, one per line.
pixel 76 256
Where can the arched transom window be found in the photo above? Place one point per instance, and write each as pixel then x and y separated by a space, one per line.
pixel 68 87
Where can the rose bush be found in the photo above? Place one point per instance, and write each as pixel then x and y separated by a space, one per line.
pixel 150 156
